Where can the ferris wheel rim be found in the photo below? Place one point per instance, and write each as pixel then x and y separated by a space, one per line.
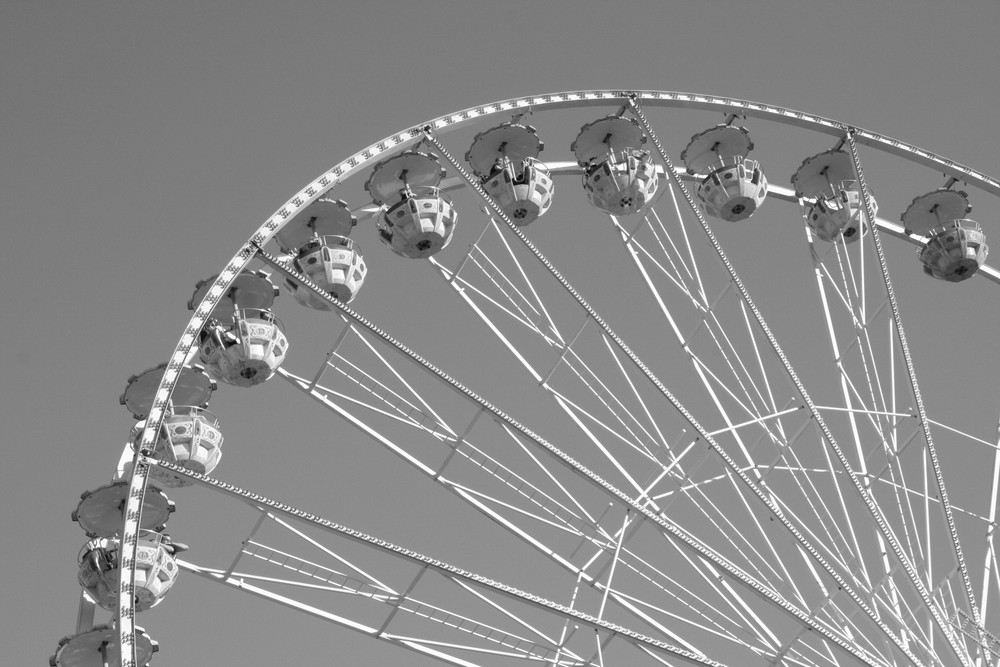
pixel 400 141
pixel 607 97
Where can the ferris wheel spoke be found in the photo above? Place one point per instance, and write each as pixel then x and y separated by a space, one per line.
pixel 869 391
pixel 514 604
pixel 512 302
pixel 643 439
pixel 569 351
pixel 608 401
pixel 990 556
pixel 877 399
pixel 751 388
pixel 721 563
pixel 871 505
pixel 911 373
pixel 555 515
pixel 730 524
pixel 751 384
pixel 644 370
pixel 851 394
pixel 455 651
pixel 278 264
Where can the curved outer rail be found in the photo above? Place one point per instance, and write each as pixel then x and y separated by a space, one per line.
pixel 329 179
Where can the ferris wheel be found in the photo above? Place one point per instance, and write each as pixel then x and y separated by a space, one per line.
pixel 662 366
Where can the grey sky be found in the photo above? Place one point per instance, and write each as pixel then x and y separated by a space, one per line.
pixel 143 142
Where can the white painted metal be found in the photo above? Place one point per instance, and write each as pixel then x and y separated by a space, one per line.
pixel 805 592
